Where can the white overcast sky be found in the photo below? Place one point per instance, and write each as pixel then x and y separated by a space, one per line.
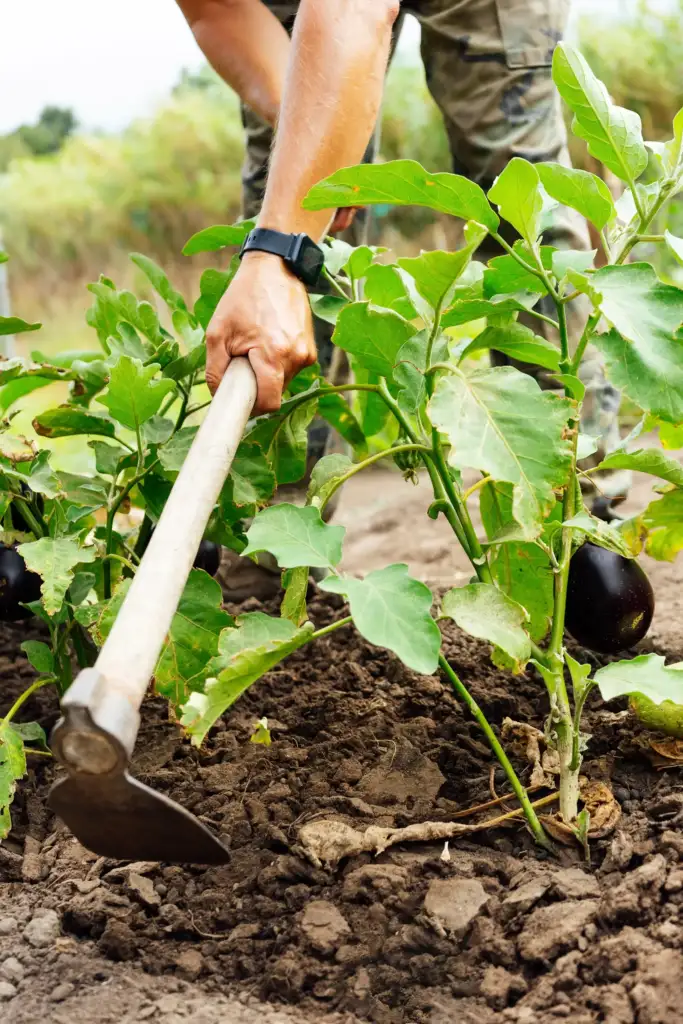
pixel 110 62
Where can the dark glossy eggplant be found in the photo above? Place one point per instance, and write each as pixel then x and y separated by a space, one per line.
pixel 208 557
pixel 18 586
pixel 610 602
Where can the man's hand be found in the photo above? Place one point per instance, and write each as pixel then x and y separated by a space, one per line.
pixel 265 315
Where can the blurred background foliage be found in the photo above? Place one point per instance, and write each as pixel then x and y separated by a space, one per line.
pixel 72 205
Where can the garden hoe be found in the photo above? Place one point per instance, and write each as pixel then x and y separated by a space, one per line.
pixel 109 811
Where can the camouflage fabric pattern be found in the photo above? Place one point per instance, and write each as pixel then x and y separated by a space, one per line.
pixel 488 68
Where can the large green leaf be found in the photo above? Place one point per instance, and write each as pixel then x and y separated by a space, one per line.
pixel 12 768
pixel 663 519
pixel 257 644
pixel 523 571
pixel 393 610
pixel 295 536
pixel 482 610
pixel 410 367
pixel 54 559
pixel 217 237
pixel 647 675
pixel 20 369
pixel 613 134
pixel 646 460
pixel 14 325
pixel 325 477
pixel 500 422
pixel 39 475
pixel 467 310
pixel 339 414
pixel 283 436
pixel 517 194
pixel 517 341
pixel 373 336
pixel 385 287
pixel 504 275
pixel 644 355
pixel 436 273
pixel 212 286
pixel 581 190
pixel 159 281
pixel 253 481
pixel 295 583
pixel 71 421
pixel 402 183
pixel 133 396
pixel 192 639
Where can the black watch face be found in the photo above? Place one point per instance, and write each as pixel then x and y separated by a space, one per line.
pixel 308 260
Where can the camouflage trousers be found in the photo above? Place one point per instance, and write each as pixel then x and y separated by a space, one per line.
pixel 488 68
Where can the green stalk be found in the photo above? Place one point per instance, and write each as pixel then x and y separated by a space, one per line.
pixel 332 627
pixel 591 324
pixel 23 697
pixel 472 546
pixel 517 787
pixel 36 526
pixel 360 466
pixel 565 364
pixel 109 526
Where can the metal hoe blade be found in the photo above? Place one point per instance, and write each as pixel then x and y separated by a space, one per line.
pixel 117 816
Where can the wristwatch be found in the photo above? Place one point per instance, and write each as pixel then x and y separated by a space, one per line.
pixel 301 255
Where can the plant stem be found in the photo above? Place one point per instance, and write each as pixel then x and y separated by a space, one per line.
pixel 335 284
pixel 24 509
pixel 651 238
pixel 517 787
pixel 564 338
pixel 360 466
pixel 475 487
pixel 591 324
pixel 472 547
pixel 23 697
pixel 109 527
pixel 331 628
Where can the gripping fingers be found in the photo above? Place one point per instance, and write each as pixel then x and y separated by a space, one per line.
pixel 217 360
pixel 270 380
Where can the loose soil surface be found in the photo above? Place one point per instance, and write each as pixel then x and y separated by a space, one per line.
pixel 488 930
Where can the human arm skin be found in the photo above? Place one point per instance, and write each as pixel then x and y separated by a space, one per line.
pixel 331 99
pixel 246 44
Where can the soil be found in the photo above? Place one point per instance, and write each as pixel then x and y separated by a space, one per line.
pixel 484 929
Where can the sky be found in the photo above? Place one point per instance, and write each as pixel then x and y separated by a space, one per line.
pixel 110 62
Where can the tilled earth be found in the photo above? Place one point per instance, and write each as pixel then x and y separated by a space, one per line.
pixel 489 930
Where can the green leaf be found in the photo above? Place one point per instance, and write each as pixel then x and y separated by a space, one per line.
pixel 293 607
pixel 83 583
pixel 31 732
pixel 393 610
pixel 663 519
pixel 283 437
pixel 157 430
pixel 328 307
pixel 646 460
pixel 482 610
pixel 295 536
pixel 647 675
pixel 217 237
pixel 523 571
pixel 574 260
pixel 39 475
pixel 159 281
pixel 467 310
pixel 599 532
pixel 500 422
pixel 409 370
pixel 373 411
pixel 517 341
pixel 644 356
pixel 257 644
pixel 212 286
pixel 581 190
pixel 253 480
pixel 14 325
pixel 613 134
pixel 12 768
pixel 580 675
pixel 71 421
pixel 575 386
pixel 192 639
pixel 674 245
pixel 517 194
pixel 373 336
pixel 133 396
pixel 39 656
pixel 385 287
pixel 325 476
pixel 436 273
pixel 337 253
pixel 504 275
pixel 338 413
pixel 173 453
pixel 54 560
pixel 361 258
pixel 402 183
pixel 107 456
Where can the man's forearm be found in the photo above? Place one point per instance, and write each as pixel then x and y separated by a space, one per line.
pixel 330 103
pixel 248 47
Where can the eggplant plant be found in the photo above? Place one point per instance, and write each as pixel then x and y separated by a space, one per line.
pixel 423 395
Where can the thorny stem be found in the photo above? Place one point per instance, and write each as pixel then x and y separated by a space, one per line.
pixel 23 697
pixel 517 787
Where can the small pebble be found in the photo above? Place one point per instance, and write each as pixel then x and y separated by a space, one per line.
pixel 12 970
pixel 8 925
pixel 62 992
pixel 7 991
pixel 44 930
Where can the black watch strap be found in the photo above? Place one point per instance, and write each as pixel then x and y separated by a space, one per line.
pixel 302 256
pixel 268 240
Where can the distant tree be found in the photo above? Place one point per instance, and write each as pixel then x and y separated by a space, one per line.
pixel 47 135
